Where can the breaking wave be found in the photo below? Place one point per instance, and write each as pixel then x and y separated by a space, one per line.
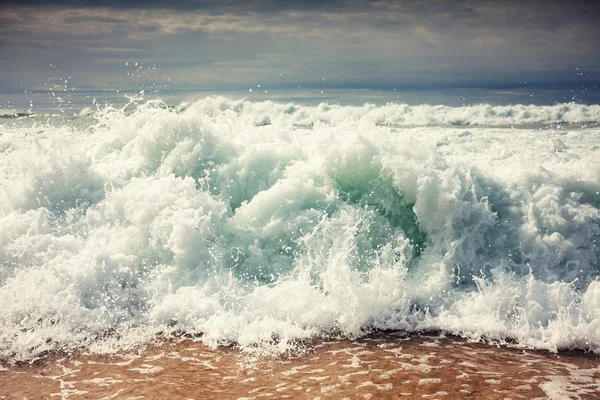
pixel 267 224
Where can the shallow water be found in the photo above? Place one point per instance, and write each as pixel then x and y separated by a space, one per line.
pixel 390 366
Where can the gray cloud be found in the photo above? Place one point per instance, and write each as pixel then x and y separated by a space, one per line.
pixel 202 44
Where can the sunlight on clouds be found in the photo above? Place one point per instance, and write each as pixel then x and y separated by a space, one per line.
pixel 426 35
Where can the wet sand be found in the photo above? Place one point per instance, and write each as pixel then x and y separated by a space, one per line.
pixel 383 367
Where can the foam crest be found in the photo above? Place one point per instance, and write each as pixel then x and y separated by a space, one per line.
pixel 267 113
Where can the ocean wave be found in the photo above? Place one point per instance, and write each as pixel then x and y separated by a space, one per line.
pixel 9 114
pixel 267 224
pixel 402 114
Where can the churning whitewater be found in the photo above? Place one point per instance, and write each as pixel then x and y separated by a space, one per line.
pixel 267 224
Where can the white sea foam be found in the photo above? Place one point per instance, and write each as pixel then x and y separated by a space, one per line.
pixel 266 113
pixel 210 220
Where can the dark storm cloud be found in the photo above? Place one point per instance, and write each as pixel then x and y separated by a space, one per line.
pixel 457 8
pixel 209 44
pixel 235 6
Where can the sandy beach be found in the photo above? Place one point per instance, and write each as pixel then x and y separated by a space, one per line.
pixel 380 367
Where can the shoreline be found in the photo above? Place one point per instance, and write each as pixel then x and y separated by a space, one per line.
pixel 379 366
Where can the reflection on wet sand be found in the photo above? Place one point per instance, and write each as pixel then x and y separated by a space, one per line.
pixel 385 367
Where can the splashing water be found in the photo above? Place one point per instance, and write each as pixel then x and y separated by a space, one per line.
pixel 265 224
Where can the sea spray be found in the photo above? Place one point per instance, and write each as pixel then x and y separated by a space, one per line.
pixel 266 224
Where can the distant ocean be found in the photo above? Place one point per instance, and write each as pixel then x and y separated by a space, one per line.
pixel 270 219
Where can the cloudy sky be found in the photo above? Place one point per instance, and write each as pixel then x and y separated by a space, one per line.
pixel 229 44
